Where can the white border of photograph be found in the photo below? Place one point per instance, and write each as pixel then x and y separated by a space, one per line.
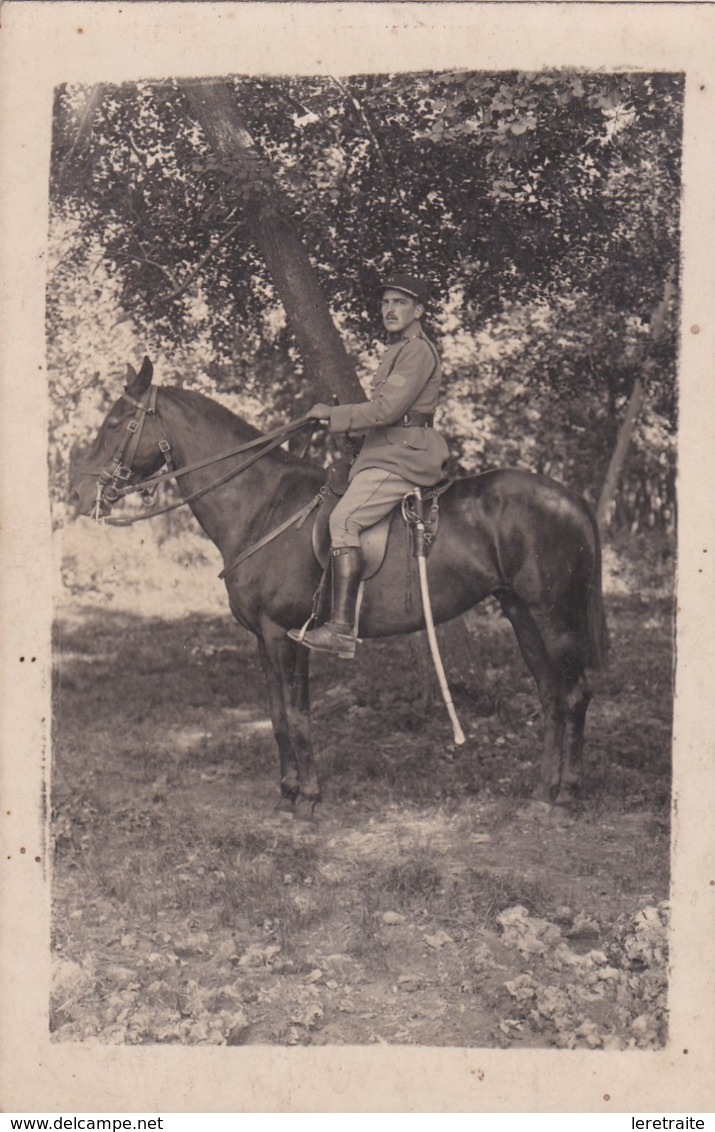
pixel 43 44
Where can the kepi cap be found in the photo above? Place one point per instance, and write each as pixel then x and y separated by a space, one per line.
pixel 409 285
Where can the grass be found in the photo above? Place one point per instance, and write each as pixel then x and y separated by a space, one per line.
pixel 165 776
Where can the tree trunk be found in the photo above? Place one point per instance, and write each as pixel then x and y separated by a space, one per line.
pixel 617 462
pixel 618 457
pixel 329 370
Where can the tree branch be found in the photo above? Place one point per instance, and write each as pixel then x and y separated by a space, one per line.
pixel 387 180
pixel 151 263
pixel 180 287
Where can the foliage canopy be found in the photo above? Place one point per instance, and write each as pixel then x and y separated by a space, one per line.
pixel 544 207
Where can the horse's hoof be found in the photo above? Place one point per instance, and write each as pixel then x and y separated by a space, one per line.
pixel 304 810
pixel 285 807
pixel 567 808
pixel 565 799
pixel 536 810
pixel 561 815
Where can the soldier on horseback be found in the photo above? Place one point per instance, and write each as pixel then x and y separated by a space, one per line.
pixel 523 538
pixel 400 450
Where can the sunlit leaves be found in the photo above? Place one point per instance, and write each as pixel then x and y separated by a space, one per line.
pixel 513 192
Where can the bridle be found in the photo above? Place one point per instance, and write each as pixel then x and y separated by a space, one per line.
pixel 114 479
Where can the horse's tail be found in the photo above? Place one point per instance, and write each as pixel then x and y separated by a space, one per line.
pixel 595 629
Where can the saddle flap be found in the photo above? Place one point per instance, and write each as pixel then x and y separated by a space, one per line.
pixel 373 540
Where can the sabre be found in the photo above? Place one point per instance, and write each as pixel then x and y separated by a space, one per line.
pixel 431 635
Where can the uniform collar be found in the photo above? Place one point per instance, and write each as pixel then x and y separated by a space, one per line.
pixel 414 331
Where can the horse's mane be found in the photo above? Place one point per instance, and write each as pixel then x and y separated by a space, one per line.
pixel 212 409
pixel 223 417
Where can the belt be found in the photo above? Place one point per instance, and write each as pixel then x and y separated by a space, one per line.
pixel 422 420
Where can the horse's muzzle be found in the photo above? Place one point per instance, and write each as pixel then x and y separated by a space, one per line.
pixel 83 502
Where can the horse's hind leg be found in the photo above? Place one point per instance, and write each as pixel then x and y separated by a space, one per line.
pixel 563 648
pixel 537 661
pixel 577 698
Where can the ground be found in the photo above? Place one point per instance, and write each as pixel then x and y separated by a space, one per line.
pixel 429 903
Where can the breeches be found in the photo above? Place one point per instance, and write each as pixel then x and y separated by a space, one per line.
pixel 371 494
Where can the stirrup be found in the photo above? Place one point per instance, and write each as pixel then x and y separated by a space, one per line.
pixel 326 639
pixel 351 639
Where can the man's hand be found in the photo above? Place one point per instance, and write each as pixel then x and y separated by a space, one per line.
pixel 319 412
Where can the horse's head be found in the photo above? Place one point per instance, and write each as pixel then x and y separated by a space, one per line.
pixel 124 451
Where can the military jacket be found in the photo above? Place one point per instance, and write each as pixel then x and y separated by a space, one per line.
pixel 407 380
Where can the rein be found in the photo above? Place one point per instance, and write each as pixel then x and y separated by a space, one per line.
pixel 113 477
pixel 163 476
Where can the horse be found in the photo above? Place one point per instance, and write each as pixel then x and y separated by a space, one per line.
pixel 522 537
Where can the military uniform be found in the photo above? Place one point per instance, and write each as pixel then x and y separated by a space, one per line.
pixel 400 448
pixel 406 383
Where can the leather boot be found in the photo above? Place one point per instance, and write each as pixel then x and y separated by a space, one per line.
pixel 338 636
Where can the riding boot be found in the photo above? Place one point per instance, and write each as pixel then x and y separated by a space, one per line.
pixel 338 635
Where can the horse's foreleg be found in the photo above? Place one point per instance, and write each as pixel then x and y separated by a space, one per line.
pixel 290 779
pixel 299 716
pixel 286 666
pixel 537 661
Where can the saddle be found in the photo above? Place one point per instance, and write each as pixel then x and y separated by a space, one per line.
pixel 373 540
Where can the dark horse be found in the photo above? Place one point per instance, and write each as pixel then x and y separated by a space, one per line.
pixel 525 539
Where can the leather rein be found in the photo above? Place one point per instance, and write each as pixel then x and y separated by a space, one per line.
pixel 113 480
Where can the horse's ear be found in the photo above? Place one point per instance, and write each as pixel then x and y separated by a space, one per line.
pixel 138 383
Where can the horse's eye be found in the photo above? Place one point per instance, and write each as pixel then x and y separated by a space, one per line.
pixel 113 422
